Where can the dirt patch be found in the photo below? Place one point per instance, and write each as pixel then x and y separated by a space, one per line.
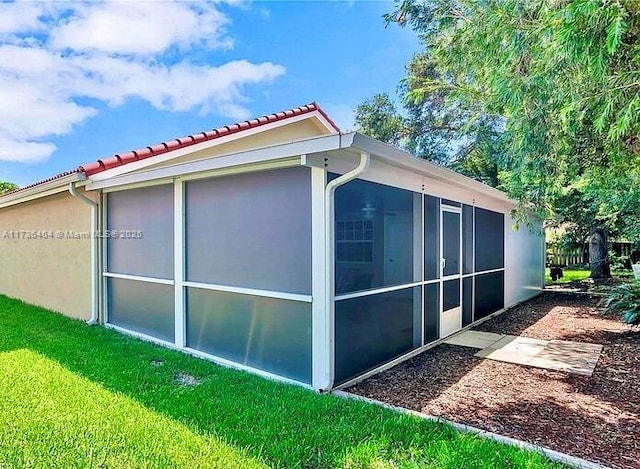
pixel 186 379
pixel 596 418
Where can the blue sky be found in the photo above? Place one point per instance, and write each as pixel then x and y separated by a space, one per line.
pixel 79 81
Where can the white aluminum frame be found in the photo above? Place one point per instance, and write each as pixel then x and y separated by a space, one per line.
pixel 139 278
pixel 321 356
pixel 250 291
pixel 179 311
pixel 457 210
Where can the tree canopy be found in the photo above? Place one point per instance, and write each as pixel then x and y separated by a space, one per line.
pixel 7 187
pixel 564 79
pixel 537 97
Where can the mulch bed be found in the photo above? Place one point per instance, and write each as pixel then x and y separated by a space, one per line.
pixel 596 418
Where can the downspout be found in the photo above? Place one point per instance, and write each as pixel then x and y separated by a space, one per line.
pixel 329 198
pixel 94 251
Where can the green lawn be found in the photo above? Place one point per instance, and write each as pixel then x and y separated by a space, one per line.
pixel 78 396
pixel 573 275
pixel 568 276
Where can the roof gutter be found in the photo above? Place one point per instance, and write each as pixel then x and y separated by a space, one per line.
pixel 54 186
pixel 329 194
pixel 400 158
pixel 94 250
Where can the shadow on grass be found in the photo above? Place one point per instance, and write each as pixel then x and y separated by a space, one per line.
pixel 284 425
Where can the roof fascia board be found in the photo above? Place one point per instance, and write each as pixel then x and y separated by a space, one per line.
pixel 402 159
pixel 275 152
pixel 41 190
pixel 323 120
pixel 137 165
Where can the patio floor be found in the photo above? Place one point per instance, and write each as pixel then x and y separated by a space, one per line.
pixel 562 355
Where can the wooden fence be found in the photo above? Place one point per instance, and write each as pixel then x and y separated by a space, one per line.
pixel 565 256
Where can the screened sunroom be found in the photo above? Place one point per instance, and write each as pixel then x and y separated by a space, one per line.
pixel 318 261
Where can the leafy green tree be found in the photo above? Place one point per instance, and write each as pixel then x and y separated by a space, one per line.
pixel 562 77
pixel 432 127
pixel 378 117
pixel 7 187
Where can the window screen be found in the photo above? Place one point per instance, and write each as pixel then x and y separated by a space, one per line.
pixel 374 329
pixel 450 294
pixel 142 307
pixel 489 294
pixel 251 230
pixel 150 211
pixel 467 239
pixel 489 234
pixel 266 333
pixel 377 236
pixel 467 301
pixel 431 312
pixel 451 243
pixel 431 237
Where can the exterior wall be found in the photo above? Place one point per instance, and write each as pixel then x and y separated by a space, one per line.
pixel 524 262
pixel 287 133
pixel 53 273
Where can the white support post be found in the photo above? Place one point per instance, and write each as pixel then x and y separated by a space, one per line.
pixel 178 251
pixel 321 353
pixel 105 254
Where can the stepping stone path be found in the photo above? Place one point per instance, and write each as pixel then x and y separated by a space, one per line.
pixel 572 357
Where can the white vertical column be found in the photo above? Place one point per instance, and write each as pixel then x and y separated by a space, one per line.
pixel 178 252
pixel 105 254
pixel 321 348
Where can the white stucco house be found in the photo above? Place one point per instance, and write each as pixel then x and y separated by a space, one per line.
pixel 277 245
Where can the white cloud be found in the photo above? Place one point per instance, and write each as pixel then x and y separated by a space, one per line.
pixel 18 17
pixel 144 28
pixel 12 149
pixel 50 59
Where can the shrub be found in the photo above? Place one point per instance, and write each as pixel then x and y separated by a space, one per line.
pixel 618 262
pixel 624 300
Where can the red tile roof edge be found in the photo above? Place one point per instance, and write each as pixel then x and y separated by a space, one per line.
pixel 122 159
pixel 52 178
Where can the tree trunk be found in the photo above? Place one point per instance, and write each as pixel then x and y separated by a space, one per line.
pixel 598 258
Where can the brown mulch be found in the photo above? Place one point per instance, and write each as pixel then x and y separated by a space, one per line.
pixel 596 418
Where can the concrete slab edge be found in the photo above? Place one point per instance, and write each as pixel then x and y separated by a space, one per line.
pixel 568 291
pixel 551 454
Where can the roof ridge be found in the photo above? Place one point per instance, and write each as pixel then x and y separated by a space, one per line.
pixel 44 181
pixel 121 159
